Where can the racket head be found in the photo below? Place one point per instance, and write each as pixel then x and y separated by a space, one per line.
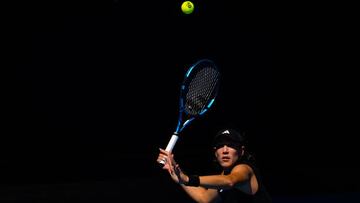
pixel 199 88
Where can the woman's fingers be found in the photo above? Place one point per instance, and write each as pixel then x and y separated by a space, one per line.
pixel 163 151
pixel 167 158
pixel 162 158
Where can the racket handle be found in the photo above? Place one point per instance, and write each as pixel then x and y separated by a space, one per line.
pixel 171 145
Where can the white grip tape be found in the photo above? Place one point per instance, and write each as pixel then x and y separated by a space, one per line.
pixel 171 145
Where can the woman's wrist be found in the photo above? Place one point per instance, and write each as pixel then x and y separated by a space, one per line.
pixel 188 180
pixel 192 180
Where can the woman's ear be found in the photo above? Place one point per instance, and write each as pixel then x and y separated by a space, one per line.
pixel 242 150
pixel 215 152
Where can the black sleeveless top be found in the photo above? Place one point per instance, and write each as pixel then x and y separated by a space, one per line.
pixel 234 195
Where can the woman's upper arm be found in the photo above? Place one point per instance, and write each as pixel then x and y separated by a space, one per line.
pixel 240 173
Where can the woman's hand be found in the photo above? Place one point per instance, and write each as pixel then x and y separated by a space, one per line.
pixel 172 167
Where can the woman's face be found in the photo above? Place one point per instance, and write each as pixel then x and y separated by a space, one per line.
pixel 226 156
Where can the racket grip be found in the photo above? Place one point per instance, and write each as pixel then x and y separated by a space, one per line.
pixel 170 145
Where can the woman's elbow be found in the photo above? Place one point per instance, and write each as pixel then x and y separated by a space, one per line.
pixel 229 183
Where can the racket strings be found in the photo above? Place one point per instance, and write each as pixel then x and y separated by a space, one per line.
pixel 202 87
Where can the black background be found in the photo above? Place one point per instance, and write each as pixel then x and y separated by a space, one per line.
pixel 96 91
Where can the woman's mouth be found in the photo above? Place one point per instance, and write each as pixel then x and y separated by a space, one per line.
pixel 225 158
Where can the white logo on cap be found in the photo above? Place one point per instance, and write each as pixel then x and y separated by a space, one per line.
pixel 225 132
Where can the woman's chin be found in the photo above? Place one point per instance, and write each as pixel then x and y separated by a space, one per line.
pixel 226 164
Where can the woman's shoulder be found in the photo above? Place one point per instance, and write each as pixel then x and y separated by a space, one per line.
pixel 242 168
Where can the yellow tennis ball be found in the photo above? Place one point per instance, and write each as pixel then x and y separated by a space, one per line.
pixel 187 7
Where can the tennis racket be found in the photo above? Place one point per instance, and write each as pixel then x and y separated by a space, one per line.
pixel 197 94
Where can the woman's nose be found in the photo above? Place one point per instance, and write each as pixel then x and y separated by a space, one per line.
pixel 225 149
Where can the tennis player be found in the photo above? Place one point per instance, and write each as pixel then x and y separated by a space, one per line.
pixel 239 181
